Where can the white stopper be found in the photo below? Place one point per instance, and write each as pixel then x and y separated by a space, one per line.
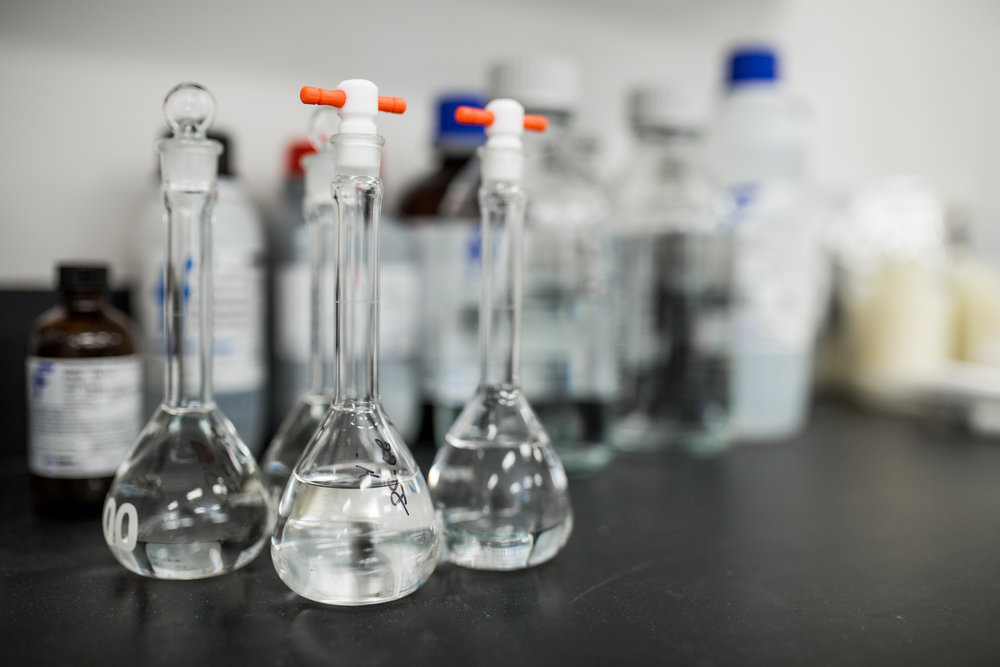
pixel 357 116
pixel 503 154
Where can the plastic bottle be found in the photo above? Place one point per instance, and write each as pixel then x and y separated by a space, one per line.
pixel 84 395
pixel 449 265
pixel 240 303
pixel 756 151
pixel 898 289
pixel 290 288
pixel 676 290
pixel 568 346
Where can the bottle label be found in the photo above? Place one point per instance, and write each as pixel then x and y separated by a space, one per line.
pixel 450 269
pixel 239 319
pixel 399 309
pixel 84 414
pixel 240 284
pixel 777 270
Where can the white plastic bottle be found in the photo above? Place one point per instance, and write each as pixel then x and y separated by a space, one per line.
pixel 240 308
pixel 756 151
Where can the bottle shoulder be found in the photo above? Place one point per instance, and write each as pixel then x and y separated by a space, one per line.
pixel 235 217
pixel 425 196
pixel 102 333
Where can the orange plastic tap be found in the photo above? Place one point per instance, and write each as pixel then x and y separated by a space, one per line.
pixel 474 116
pixel 336 98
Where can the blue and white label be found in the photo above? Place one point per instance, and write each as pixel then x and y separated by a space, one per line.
pixel 239 283
pixel 84 414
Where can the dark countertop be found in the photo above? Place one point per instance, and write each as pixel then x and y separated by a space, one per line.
pixel 868 540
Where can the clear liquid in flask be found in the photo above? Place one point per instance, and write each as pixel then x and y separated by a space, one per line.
pixel 501 490
pixel 207 513
pixel 355 529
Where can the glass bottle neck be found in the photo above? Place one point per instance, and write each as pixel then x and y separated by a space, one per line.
pixel 83 303
pixel 665 151
pixel 555 136
pixel 357 193
pixel 321 220
pixel 188 297
pixel 502 205
pixel 453 160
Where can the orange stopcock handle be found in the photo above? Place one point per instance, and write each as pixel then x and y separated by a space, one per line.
pixel 336 98
pixel 474 116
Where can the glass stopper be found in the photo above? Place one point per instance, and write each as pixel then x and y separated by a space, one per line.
pixel 189 109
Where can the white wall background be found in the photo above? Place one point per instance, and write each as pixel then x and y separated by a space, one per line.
pixel 896 86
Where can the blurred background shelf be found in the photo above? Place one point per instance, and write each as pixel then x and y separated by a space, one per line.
pixel 895 87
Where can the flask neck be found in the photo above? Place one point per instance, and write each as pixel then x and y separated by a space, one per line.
pixel 357 194
pixel 187 282
pixel 502 204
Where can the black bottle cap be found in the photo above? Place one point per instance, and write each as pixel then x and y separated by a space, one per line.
pixel 88 279
pixel 225 157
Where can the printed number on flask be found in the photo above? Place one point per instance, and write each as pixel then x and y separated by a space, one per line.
pixel 118 533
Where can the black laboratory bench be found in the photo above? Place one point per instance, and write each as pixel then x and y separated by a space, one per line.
pixel 867 540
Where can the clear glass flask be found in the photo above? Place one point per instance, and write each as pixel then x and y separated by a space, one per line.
pixel 305 417
pixel 188 501
pixel 675 268
pixel 355 524
pixel 500 488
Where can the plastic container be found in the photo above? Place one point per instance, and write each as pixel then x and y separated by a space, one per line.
pixel 756 150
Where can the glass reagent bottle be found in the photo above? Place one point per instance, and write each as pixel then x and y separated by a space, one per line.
pixel 676 291
pixel 568 345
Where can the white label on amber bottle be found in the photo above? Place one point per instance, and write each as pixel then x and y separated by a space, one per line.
pixel 83 414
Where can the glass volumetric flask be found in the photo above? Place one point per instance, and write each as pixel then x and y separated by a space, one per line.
pixel 188 501
pixel 355 524
pixel 498 483
pixel 676 292
pixel 305 417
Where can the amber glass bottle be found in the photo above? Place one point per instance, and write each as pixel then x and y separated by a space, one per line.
pixel 84 395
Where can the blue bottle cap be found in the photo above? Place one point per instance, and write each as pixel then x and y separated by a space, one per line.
pixel 450 133
pixel 752 63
